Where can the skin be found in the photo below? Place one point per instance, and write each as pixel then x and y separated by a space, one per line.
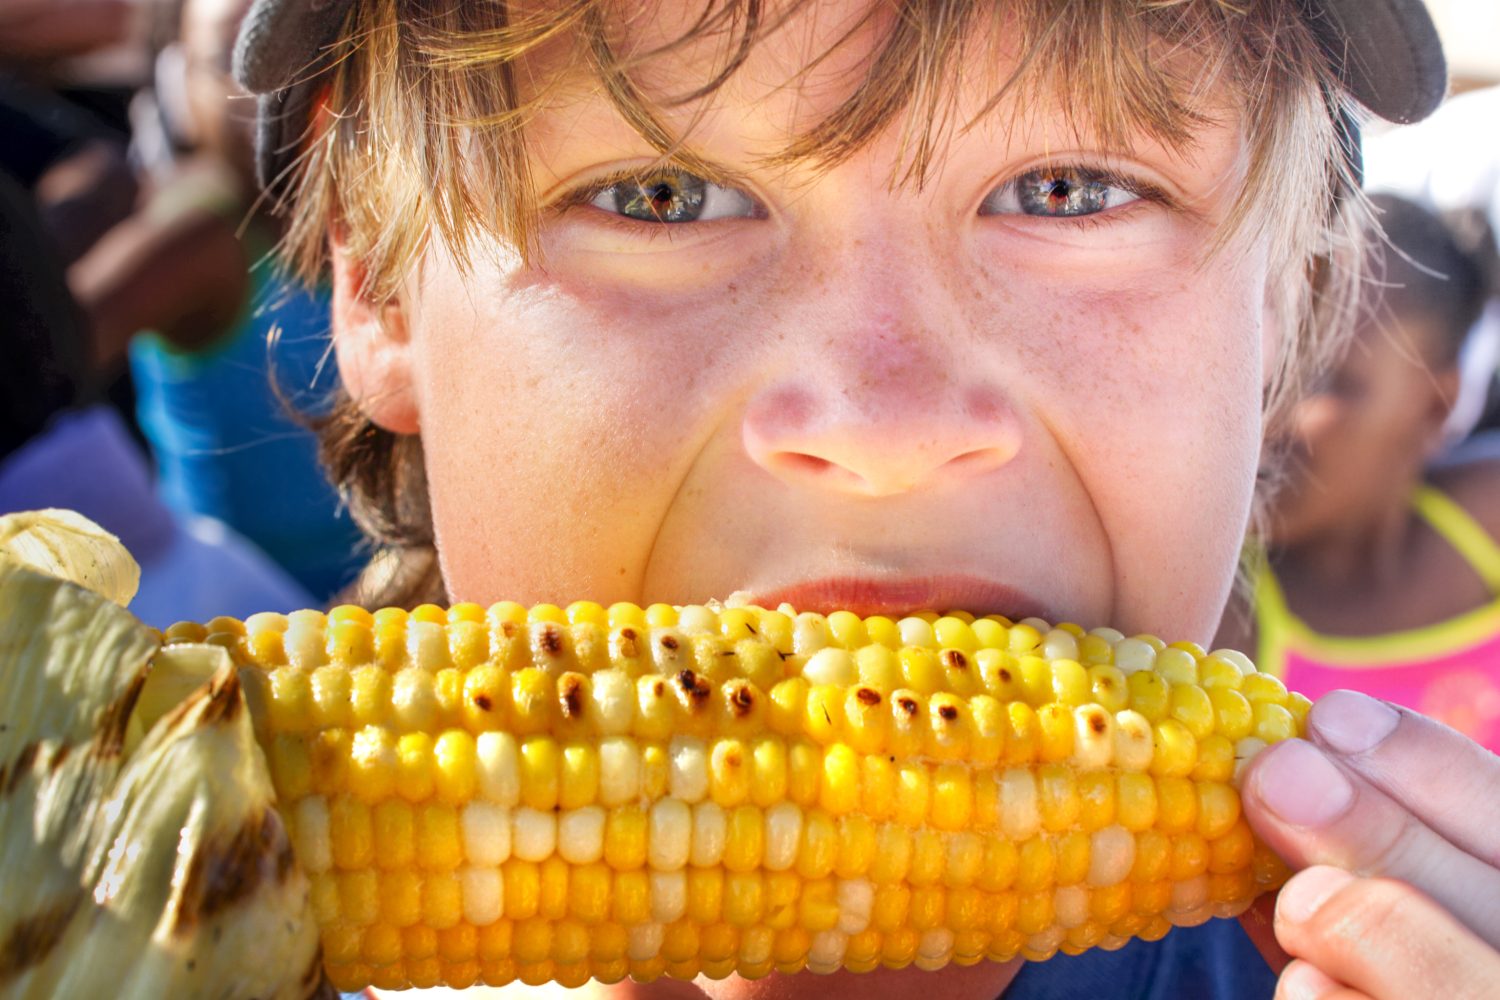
pixel 867 380
pixel 1355 558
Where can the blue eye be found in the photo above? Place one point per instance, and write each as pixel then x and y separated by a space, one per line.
pixel 1059 193
pixel 672 196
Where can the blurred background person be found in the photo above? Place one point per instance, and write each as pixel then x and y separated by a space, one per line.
pixel 210 373
pixel 65 190
pixel 1382 571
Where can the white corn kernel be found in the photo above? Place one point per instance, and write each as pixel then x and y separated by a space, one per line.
pixel 1134 741
pixel 533 834
pixel 580 835
pixel 619 770
pixel 917 632
pixel 613 695
pixel 499 767
pixel 687 778
pixel 1134 655
pixel 668 896
pixel 809 633
pixel 1058 644
pixel 696 618
pixel 483 895
pixel 830 666
pixel 1111 856
pixel 1020 816
pixel 783 836
pixel 856 898
pixel 710 833
pixel 1093 738
pixel 826 951
pixel 669 834
pixel 486 829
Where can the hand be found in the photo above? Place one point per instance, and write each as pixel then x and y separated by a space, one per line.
pixel 1396 820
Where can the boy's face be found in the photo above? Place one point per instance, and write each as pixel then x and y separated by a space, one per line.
pixel 1021 388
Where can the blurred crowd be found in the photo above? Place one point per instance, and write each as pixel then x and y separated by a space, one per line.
pixel 158 372
pixel 157 369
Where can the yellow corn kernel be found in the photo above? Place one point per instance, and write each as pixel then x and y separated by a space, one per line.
pixel 501 794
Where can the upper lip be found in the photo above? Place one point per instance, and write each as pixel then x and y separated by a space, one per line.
pixel 893 596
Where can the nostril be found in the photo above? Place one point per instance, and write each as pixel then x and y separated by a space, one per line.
pixel 810 464
pixel 978 460
pixel 800 465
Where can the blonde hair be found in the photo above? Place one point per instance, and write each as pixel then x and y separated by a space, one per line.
pixel 422 136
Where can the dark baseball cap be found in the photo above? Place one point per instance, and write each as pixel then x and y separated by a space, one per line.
pixel 1386 52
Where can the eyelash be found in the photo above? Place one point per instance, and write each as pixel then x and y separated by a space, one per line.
pixel 1147 192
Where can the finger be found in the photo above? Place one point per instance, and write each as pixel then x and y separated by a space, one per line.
pixel 1260 928
pixel 1303 981
pixel 1313 811
pixel 1445 778
pixel 1383 937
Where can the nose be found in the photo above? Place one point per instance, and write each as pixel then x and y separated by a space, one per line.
pixel 881 413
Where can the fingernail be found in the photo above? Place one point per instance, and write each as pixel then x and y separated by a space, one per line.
pixel 1308 891
pixel 1351 722
pixel 1302 786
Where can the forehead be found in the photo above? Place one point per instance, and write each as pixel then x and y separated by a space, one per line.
pixel 814 80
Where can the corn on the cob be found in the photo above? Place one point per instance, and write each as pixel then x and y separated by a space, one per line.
pixel 486 795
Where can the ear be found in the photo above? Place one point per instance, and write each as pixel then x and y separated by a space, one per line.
pixel 1445 385
pixel 373 344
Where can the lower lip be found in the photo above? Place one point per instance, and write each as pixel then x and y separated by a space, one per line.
pixel 865 597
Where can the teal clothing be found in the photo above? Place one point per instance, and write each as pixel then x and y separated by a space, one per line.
pixel 225 445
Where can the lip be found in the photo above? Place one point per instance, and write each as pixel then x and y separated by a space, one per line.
pixel 897 596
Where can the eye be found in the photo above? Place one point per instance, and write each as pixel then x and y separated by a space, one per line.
pixel 671 196
pixel 1062 193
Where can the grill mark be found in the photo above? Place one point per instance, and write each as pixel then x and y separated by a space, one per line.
pixel 11 775
pixel 669 643
pixel 628 647
pixel 1097 723
pixel 867 696
pixel 741 700
pixel 695 688
pixel 907 705
pixel 484 702
pixel 956 659
pixel 109 736
pixel 228 870
pixel 570 695
pixel 551 639
pixel 948 712
pixel 32 938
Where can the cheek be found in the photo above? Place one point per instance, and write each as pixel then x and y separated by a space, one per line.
pixel 547 423
pixel 1163 424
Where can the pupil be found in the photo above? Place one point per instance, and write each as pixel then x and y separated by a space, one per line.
pixel 1060 191
pixel 661 195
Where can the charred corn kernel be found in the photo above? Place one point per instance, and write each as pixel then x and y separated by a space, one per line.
pixel 490 795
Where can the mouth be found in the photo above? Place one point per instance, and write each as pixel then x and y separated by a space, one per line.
pixel 898 597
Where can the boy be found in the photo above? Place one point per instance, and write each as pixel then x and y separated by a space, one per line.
pixel 876 306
